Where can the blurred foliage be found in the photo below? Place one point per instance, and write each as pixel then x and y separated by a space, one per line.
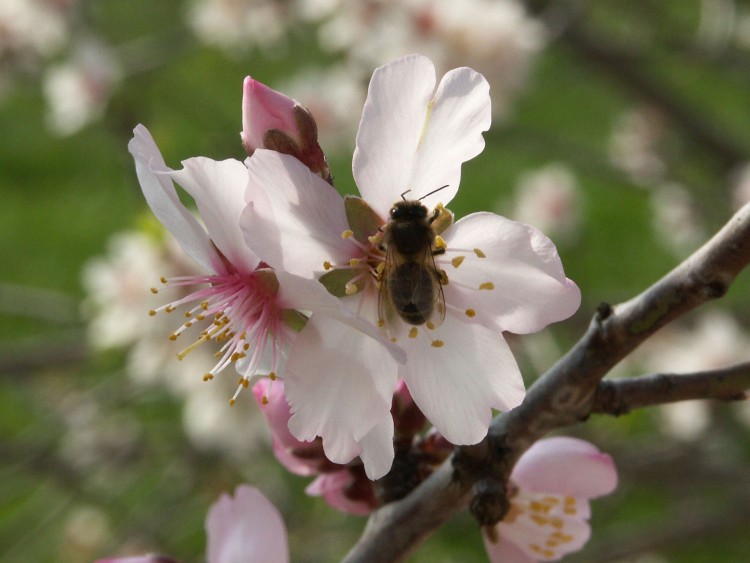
pixel 145 487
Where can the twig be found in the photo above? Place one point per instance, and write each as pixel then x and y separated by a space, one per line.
pixel 563 396
pixel 622 396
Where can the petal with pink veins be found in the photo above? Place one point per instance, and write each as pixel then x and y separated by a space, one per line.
pixel 509 274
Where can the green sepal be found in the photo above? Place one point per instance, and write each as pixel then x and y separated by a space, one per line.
pixel 293 319
pixel 335 281
pixel 363 221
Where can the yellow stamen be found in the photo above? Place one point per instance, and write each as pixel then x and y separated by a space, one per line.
pixel 487 285
pixel 350 289
pixel 151 313
pixel 163 280
pixel 327 265
pixel 440 242
pixel 264 400
pixel 430 325
pixel 437 343
pixel 457 261
pixel 347 234
pixel 354 262
pixel 272 376
pixel 154 290
pixel 470 312
pixel 479 253
pixel 413 332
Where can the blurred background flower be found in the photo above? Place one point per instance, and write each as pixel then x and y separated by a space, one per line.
pixel 619 128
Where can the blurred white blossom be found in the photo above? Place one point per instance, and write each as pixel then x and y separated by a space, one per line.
pixel 634 145
pixel 77 91
pixel 676 218
pixel 237 25
pixel 550 200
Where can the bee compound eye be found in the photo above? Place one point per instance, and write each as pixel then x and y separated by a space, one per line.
pixel 394 212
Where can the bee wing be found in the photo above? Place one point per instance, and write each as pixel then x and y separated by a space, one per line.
pixel 385 307
pixel 439 278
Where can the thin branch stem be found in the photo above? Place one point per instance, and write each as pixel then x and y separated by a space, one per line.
pixel 622 396
pixel 563 396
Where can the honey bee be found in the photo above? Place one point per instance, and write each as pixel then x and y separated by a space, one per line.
pixel 410 282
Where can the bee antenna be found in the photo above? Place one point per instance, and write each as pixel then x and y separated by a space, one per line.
pixel 432 192
pixel 403 194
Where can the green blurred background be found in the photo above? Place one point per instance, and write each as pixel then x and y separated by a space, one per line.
pixel 139 483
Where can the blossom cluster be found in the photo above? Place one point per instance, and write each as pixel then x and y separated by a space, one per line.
pixel 293 284
pixel 292 271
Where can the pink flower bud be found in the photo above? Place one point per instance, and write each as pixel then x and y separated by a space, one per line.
pixel 271 120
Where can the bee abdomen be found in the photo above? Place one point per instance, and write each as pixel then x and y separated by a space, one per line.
pixel 411 291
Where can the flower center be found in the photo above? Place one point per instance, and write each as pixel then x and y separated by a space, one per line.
pixel 236 311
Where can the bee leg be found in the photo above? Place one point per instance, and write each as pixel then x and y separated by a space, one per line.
pixel 435 215
pixel 441 276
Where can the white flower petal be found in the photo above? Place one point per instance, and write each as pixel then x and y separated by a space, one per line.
pixel 377 449
pixel 300 293
pixel 294 219
pixel 452 135
pixel 392 124
pixel 162 198
pixel 518 285
pixel 245 528
pixel 218 188
pixel 566 466
pixel 457 384
pixel 339 384
pixel 409 139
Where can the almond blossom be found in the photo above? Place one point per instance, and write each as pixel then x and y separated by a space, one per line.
pixel 498 274
pixel 550 488
pixel 243 305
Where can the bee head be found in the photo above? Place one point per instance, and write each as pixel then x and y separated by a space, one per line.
pixel 408 210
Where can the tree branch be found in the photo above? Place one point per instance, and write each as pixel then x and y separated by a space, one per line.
pixel 563 396
pixel 622 396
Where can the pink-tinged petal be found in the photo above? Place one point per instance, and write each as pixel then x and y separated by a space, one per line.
pixel 543 538
pixel 262 109
pixel 276 410
pixel 392 124
pixel 245 528
pixel 410 139
pixel 566 466
pixel 296 465
pixel 339 384
pixel 509 274
pixel 505 551
pixel 162 198
pixel 331 487
pixel 457 374
pixel 294 219
pixel 309 295
pixel 218 188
